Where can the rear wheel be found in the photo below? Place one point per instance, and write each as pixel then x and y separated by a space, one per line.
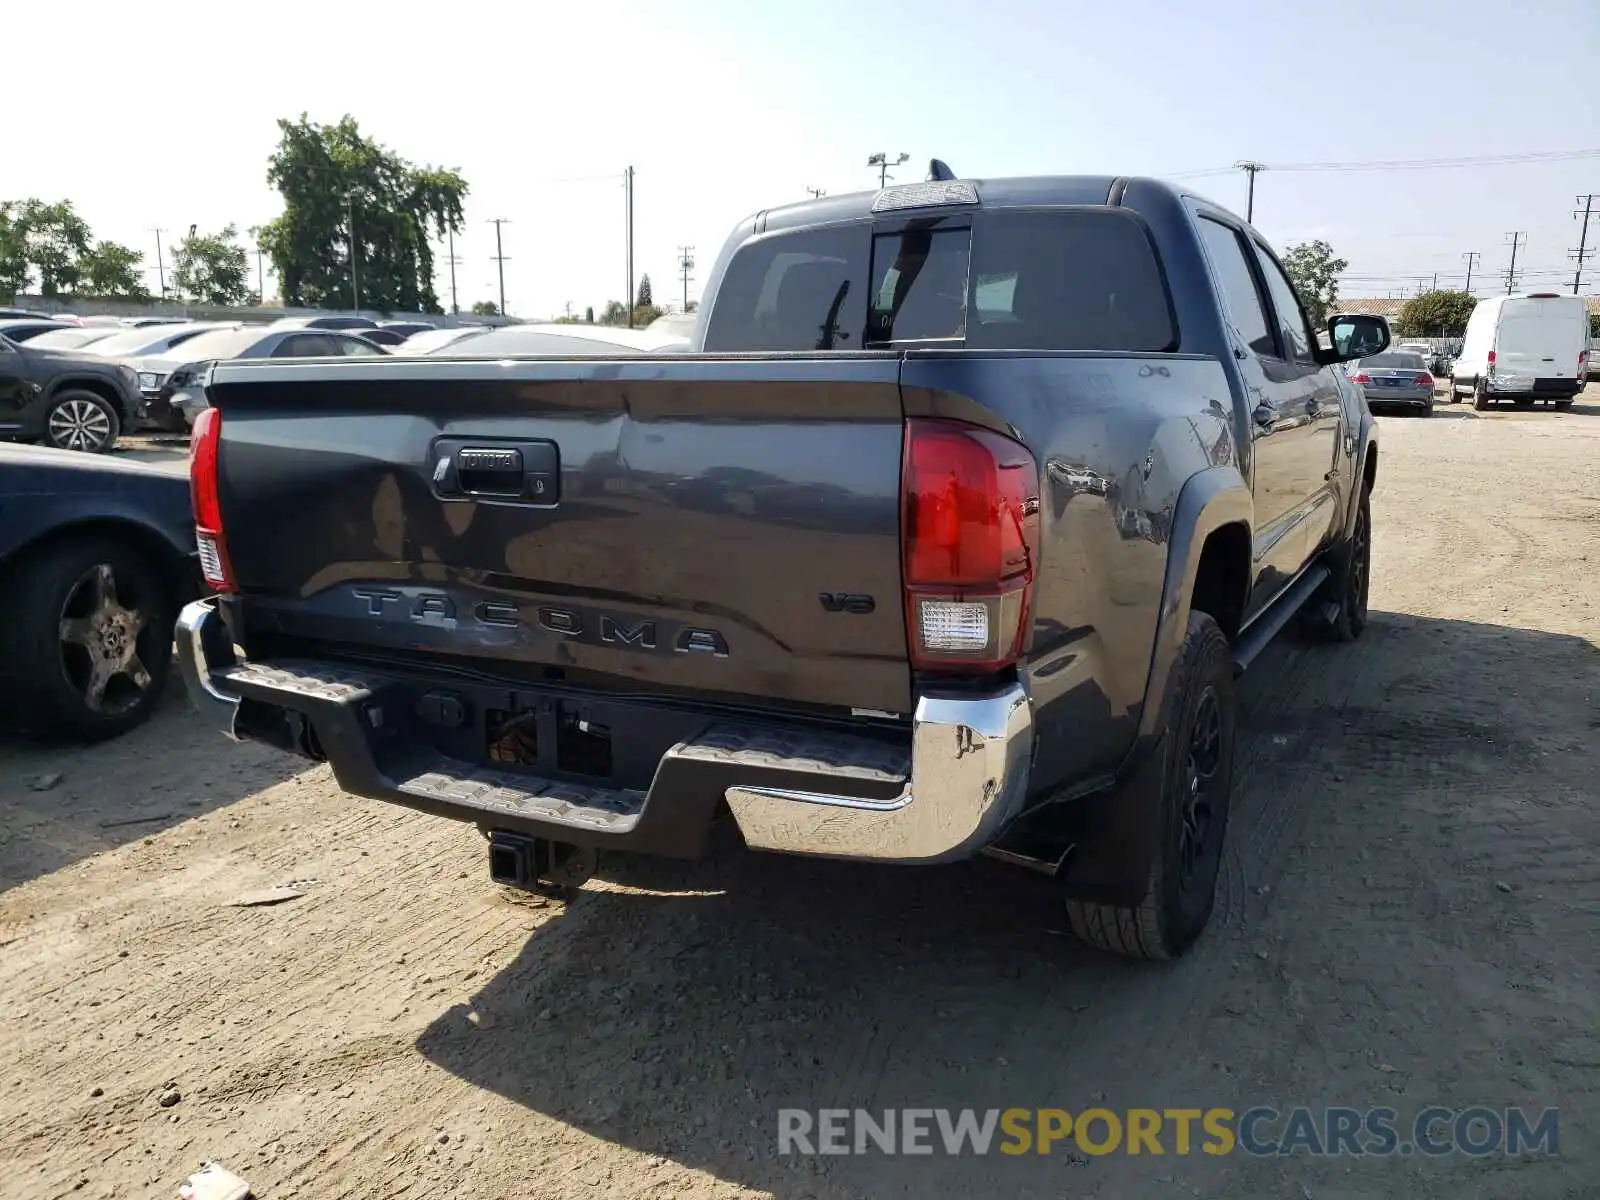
pixel 1338 610
pixel 87 642
pixel 1190 811
pixel 80 420
pixel 1480 398
pixel 1563 403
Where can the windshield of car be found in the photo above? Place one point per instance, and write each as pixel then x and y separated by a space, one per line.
pixel 137 341
pixel 431 339
pixel 1397 362
pixel 70 339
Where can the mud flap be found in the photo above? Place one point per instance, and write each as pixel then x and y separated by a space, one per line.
pixel 1115 837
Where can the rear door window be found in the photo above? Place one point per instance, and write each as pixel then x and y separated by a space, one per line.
pixel 794 291
pixel 1241 294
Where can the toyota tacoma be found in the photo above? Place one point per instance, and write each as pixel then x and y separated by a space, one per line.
pixel 948 536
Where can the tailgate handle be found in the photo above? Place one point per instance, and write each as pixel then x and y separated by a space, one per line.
pixel 524 471
pixel 493 471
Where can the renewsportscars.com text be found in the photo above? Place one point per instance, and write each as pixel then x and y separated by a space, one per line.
pixel 1259 1131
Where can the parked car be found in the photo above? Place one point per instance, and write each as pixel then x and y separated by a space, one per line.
pixel 22 329
pixel 380 336
pixel 65 398
pixel 431 341
pixel 183 368
pixel 145 349
pixel 1523 348
pixel 97 555
pixel 335 322
pixel 1395 378
pixel 512 341
pixel 406 328
pixel 9 314
pixel 71 338
pixel 862 602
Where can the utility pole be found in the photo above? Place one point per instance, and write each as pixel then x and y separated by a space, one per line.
pixel 161 269
pixel 627 300
pixel 1583 251
pixel 500 258
pixel 685 265
pixel 1436 281
pixel 261 277
pixel 450 233
pixel 1250 169
pixel 355 271
pixel 881 161
pixel 816 193
pixel 1471 256
pixel 1517 239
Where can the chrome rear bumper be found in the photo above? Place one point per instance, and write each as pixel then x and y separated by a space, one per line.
pixel 947 795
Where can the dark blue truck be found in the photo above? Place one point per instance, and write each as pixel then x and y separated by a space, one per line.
pixel 948 537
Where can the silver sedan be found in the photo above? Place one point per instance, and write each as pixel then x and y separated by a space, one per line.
pixel 1395 378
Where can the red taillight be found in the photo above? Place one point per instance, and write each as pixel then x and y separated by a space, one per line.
pixel 970 545
pixel 1425 380
pixel 1491 358
pixel 1361 377
pixel 204 443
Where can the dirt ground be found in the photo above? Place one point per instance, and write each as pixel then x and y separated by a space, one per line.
pixel 1408 916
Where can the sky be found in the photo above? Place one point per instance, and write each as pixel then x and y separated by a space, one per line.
pixel 167 115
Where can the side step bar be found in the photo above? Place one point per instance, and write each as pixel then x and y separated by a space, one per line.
pixel 1268 625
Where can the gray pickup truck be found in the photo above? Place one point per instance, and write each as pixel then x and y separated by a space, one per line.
pixel 947 537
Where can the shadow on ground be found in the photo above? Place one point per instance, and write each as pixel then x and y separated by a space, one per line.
pixel 170 769
pixel 678 1012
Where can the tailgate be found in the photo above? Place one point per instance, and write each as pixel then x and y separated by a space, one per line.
pixel 721 524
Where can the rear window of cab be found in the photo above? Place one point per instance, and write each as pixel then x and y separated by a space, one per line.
pixel 1026 279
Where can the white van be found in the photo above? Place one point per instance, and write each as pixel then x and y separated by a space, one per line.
pixel 1523 348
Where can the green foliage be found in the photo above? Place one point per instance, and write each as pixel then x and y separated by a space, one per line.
pixel 212 268
pixel 49 246
pixel 1594 325
pixel 329 174
pixel 615 313
pixel 588 315
pixel 1314 271
pixel 1435 314
pixel 485 308
pixel 112 271
pixel 645 299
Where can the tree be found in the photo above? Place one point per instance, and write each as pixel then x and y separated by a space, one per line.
pixel 614 313
pixel 588 315
pixel 330 176
pixel 53 239
pixel 13 252
pixel 1315 271
pixel 212 268
pixel 111 271
pixel 1594 326
pixel 645 300
pixel 485 308
pixel 1435 314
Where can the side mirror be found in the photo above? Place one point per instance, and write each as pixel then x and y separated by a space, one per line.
pixel 1356 336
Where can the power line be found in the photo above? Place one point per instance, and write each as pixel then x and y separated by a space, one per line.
pixel 1511 271
pixel 1400 164
pixel 499 258
pixel 816 192
pixel 1583 251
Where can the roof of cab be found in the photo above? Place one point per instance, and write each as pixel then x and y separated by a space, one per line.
pixel 992 193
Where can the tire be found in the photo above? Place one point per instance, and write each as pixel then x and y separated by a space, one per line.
pixel 1480 398
pixel 1337 612
pixel 1191 810
pixel 1427 410
pixel 79 420
pixel 79 612
pixel 1563 403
